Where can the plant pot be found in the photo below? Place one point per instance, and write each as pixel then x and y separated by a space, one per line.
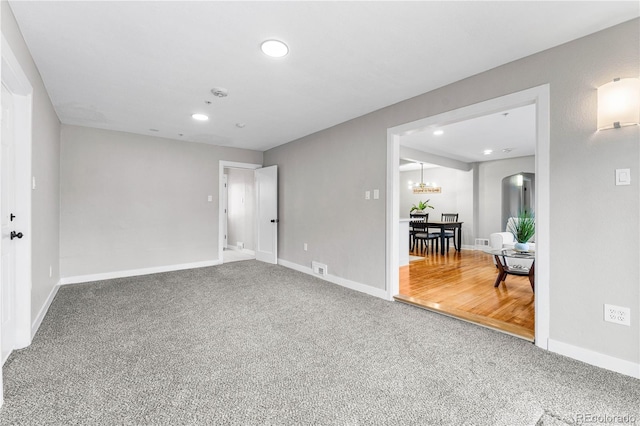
pixel 521 246
pixel 417 212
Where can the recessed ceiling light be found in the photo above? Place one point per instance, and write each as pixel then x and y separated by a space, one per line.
pixel 274 48
pixel 488 151
pixel 200 117
pixel 438 132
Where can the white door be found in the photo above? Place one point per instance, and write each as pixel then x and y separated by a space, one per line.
pixel 7 210
pixel 267 217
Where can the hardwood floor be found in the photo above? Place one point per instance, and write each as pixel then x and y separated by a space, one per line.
pixel 460 284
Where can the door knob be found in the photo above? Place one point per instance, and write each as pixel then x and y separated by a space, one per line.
pixel 15 234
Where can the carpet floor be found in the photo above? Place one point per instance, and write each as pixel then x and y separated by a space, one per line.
pixel 247 343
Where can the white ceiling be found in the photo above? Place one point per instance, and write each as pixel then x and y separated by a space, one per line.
pixel 136 66
pixel 510 133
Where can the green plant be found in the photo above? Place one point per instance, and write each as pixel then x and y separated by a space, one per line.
pixel 523 227
pixel 422 205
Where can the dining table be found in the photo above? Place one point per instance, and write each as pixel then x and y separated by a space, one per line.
pixel 456 227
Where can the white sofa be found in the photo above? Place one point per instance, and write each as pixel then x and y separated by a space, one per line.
pixel 506 240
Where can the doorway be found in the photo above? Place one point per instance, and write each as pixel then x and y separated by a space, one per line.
pixel 239 218
pixel 237 211
pixel 538 96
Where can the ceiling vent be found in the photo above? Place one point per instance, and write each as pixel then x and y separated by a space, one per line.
pixel 220 92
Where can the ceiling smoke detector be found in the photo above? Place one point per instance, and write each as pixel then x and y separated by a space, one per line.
pixel 220 92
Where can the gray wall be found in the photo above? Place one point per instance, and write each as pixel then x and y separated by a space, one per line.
pixel 241 207
pixel 490 175
pixel 323 177
pixel 45 166
pixel 456 196
pixel 132 202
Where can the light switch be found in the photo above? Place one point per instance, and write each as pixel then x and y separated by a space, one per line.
pixel 623 176
pixel 367 195
pixel 376 194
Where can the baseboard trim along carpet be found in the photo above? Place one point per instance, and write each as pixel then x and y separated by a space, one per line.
pixel 353 285
pixel 595 358
pixel 137 272
pixel 43 311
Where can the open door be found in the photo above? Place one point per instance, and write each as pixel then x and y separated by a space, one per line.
pixel 8 248
pixel 267 214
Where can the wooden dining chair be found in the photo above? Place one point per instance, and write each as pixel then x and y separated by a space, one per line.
pixel 419 233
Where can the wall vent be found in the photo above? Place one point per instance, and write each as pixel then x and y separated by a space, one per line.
pixel 482 244
pixel 319 268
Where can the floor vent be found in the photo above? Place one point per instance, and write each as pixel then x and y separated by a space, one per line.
pixel 319 268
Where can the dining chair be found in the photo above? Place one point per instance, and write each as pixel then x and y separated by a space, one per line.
pixel 450 217
pixel 419 233
pixel 415 225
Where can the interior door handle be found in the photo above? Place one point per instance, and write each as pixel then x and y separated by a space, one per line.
pixel 275 220
pixel 15 234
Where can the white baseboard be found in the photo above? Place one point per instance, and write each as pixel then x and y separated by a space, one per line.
pixel 137 272
pixel 353 285
pixel 241 250
pixel 43 311
pixel 595 358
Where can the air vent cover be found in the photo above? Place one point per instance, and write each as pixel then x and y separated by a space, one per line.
pixel 220 92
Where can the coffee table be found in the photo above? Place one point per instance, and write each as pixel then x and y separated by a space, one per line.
pixel 505 269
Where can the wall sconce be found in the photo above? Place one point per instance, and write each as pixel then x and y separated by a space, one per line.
pixel 619 103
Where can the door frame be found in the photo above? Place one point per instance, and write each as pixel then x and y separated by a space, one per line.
pixel 538 96
pixel 16 81
pixel 224 211
pixel 236 165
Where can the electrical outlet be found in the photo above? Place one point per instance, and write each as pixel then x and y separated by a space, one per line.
pixel 617 314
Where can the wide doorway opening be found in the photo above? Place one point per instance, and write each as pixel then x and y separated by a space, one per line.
pixel 455 273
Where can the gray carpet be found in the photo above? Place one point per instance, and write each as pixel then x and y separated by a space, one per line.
pixel 249 344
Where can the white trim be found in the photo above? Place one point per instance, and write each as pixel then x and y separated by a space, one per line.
pixel 17 82
pixel 343 282
pixel 540 96
pixel 393 215
pixel 137 272
pixel 221 224
pixel 543 215
pixel 241 250
pixel 608 362
pixel 43 311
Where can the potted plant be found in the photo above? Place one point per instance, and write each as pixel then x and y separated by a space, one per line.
pixel 523 228
pixel 420 207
